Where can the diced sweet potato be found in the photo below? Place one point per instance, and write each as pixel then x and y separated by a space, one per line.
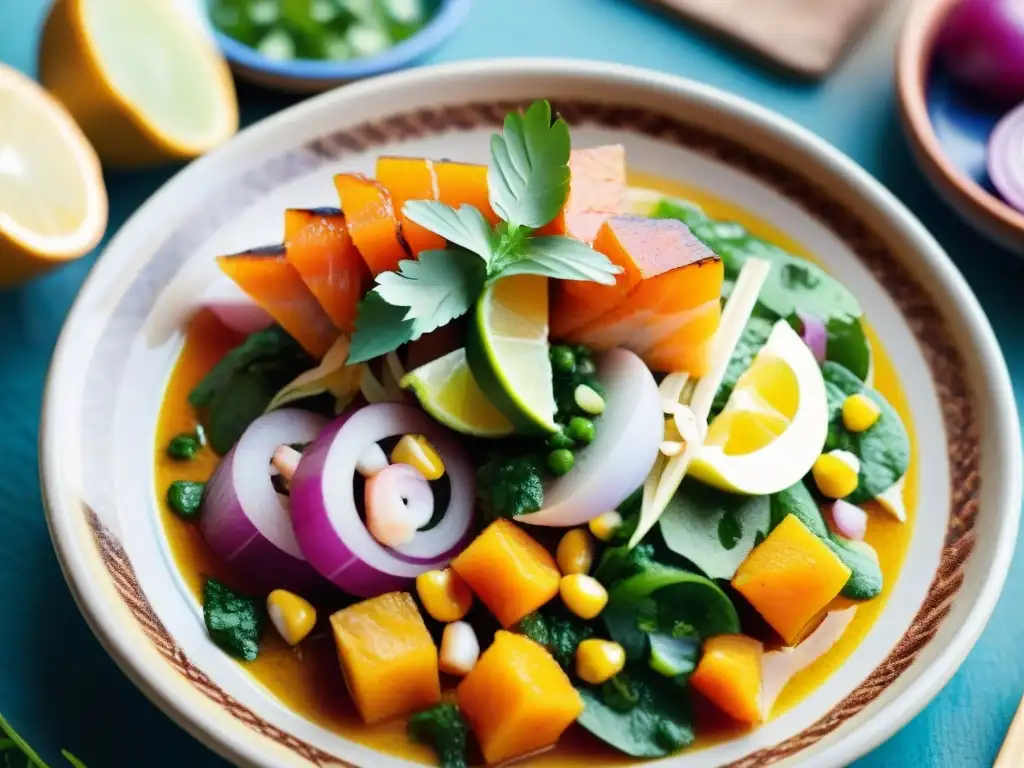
pixel 517 699
pixel 729 675
pixel 273 283
pixel 411 178
pixel 597 191
pixel 387 657
pixel 319 246
pixel 372 221
pixel 465 184
pixel 790 577
pixel 665 306
pixel 511 573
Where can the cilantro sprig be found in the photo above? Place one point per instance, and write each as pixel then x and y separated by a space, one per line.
pixel 528 182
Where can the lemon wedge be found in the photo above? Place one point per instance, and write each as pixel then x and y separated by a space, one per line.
pixel 774 424
pixel 143 79
pixel 53 205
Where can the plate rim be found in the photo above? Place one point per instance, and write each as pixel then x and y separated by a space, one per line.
pixel 1005 431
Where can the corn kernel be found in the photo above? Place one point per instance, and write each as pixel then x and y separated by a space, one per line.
pixel 445 596
pixel 460 649
pixel 575 553
pixel 597 661
pixel 860 412
pixel 583 595
pixel 293 617
pixel 417 451
pixel 835 475
pixel 604 526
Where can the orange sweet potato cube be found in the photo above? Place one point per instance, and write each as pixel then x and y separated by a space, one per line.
pixel 517 699
pixel 387 657
pixel 509 571
pixel 729 676
pixel 790 578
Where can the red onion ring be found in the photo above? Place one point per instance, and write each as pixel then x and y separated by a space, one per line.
pixel 848 520
pixel 1006 158
pixel 814 334
pixel 244 520
pixel 327 524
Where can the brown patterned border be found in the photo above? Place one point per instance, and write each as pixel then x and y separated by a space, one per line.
pixel 923 317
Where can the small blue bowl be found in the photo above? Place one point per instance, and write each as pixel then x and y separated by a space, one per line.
pixel 313 76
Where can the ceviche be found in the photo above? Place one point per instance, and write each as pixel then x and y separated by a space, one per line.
pixel 520 460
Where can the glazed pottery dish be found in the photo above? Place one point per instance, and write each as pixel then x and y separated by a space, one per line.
pixel 952 127
pixel 531 411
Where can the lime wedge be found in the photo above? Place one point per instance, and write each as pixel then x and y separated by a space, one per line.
pixel 507 349
pixel 447 391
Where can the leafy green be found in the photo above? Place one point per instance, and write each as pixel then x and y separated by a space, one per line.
pixel 443 728
pixel 712 529
pixel 662 598
pixel 883 448
pixel 185 498
pixel 865 580
pixel 239 387
pixel 621 562
pixel 639 712
pixel 234 621
pixel 754 336
pixel 380 328
pixel 674 654
pixel 557 630
pixel 510 486
pixel 13 746
pixel 528 176
pixel 464 226
pixel 437 288
pixel 794 284
pixel 563 258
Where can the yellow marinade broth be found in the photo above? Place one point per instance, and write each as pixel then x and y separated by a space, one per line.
pixel 308 679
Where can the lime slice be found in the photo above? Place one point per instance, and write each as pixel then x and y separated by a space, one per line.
pixel 774 424
pixel 447 391
pixel 507 349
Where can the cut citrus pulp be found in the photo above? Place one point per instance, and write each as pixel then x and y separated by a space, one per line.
pixel 774 425
pixel 53 204
pixel 507 350
pixel 447 391
pixel 143 78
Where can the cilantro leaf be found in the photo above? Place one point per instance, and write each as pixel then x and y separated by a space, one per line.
pixel 528 175
pixel 444 729
pixel 234 621
pixel 564 258
pixel 464 226
pixel 380 328
pixel 509 487
pixel 557 630
pixel 439 287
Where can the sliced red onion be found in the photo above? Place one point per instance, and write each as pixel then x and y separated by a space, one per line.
pixel 235 308
pixel 1006 158
pixel 848 520
pixel 327 524
pixel 244 520
pixel 814 334
pixel 629 435
pixel 398 503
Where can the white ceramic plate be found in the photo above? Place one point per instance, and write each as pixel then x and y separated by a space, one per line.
pixel 124 334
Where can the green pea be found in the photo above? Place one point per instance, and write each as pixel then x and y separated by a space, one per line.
pixel 562 359
pixel 585 366
pixel 561 440
pixel 183 447
pixel 561 461
pixel 582 351
pixel 185 498
pixel 581 430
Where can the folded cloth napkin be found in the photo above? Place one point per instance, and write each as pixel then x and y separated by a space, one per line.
pixel 808 36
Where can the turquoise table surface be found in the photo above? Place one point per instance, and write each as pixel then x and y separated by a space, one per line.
pixel 59 688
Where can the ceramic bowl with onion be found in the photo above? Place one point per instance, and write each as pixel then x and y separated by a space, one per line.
pixel 960 76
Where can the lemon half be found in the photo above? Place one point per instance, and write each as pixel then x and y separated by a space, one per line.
pixel 53 204
pixel 142 78
pixel 774 424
